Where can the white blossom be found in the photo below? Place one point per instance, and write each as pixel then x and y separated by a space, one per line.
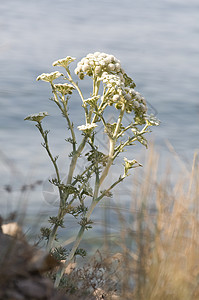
pixel 87 127
pixel 64 88
pixel 98 63
pixel 92 100
pixel 127 97
pixel 116 98
pixel 117 67
pixel 136 104
pixel 143 107
pixel 111 67
pixel 85 67
pixel 98 70
pixel 49 77
pixel 64 62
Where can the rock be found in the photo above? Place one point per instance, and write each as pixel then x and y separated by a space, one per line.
pixel 22 269
pixel 12 229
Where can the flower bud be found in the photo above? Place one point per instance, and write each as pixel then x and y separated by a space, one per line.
pixel 117 67
pixel 132 92
pixel 127 97
pixel 96 54
pixel 136 104
pixel 81 75
pixel 85 67
pixel 143 108
pixel 116 98
pixel 91 62
pixel 107 60
pixel 103 55
pixel 89 72
pixel 138 97
pixel 77 70
pixel 117 61
pixel 86 61
pixel 112 58
pixel 97 70
pixel 102 63
pixel 143 101
pixel 111 67
pixel 105 74
pixel 89 55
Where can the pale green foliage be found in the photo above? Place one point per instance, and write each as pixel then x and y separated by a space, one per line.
pixel 117 91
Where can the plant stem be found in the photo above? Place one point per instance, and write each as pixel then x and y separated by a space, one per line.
pixel 75 246
pixel 78 89
pixel 95 197
pixel 130 140
pixel 76 154
pixel 74 84
pixel 61 211
pixel 112 141
pixel 74 159
pixel 84 172
pixel 109 161
pixel 65 114
pixel 124 130
pixel 81 231
pixel 46 146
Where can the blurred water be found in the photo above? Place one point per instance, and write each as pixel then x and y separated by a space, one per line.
pixel 156 41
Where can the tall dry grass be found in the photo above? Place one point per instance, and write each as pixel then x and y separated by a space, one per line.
pixel 160 247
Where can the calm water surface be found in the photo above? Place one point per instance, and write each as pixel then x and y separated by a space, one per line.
pixel 156 41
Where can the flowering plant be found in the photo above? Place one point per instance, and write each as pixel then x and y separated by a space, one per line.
pixel 118 91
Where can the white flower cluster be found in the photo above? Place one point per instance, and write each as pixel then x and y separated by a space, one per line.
pixel 49 77
pixel 37 117
pixel 105 68
pixel 111 80
pixel 96 64
pixel 92 101
pixel 87 127
pixel 120 87
pixel 133 100
pixel 64 88
pixel 64 62
pixel 121 94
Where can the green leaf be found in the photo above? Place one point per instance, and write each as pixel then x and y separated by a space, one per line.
pixel 129 164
